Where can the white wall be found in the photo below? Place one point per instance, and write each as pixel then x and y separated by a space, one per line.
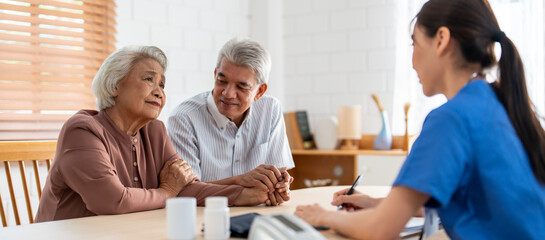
pixel 266 27
pixel 338 53
pixel 325 53
pixel 191 32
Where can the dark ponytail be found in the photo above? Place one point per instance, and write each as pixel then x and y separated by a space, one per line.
pixel 512 92
pixel 473 24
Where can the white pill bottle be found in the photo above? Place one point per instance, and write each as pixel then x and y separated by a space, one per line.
pixel 216 218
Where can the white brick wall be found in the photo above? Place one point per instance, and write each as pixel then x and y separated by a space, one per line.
pixel 338 53
pixel 332 53
pixel 190 32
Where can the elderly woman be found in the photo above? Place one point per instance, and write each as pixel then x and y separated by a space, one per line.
pixel 120 159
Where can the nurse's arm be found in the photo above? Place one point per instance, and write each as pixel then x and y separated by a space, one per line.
pixel 386 221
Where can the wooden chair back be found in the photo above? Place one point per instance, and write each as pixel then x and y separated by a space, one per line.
pixel 16 153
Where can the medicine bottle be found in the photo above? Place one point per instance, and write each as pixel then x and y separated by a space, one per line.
pixel 216 218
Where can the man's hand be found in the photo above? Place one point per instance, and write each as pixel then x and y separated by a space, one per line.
pixel 174 176
pixel 251 196
pixel 276 198
pixel 264 177
pixel 282 192
pixel 274 182
pixel 284 182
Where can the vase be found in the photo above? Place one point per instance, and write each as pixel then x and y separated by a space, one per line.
pixel 383 141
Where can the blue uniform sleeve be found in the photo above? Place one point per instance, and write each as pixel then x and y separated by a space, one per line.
pixel 439 157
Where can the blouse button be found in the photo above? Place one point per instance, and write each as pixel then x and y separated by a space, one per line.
pixel 136 179
pixel 135 140
pixel 134 163
pixel 133 148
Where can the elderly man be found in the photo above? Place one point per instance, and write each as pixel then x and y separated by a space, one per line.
pixel 234 134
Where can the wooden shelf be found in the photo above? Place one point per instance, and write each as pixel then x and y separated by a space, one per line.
pixel 393 152
pixel 338 167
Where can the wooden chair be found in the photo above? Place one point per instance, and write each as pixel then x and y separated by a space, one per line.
pixel 16 153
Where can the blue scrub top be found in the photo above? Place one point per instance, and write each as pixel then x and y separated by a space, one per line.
pixel 470 161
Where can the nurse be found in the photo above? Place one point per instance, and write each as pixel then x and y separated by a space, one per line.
pixel 480 158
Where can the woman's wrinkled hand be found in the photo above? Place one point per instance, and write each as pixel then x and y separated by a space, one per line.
pixel 174 176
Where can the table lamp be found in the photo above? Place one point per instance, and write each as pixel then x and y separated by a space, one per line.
pixel 349 126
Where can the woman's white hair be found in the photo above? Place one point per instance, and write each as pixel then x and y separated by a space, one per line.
pixel 247 53
pixel 116 67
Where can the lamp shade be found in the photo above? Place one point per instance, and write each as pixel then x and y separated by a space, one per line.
pixel 349 122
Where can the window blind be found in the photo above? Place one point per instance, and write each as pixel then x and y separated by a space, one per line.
pixel 50 51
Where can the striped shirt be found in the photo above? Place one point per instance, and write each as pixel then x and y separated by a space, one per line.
pixel 216 149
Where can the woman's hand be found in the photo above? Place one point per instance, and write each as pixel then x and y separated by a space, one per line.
pixel 313 214
pixel 252 196
pixel 174 176
pixel 356 201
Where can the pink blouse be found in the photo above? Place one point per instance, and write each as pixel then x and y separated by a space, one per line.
pixel 99 169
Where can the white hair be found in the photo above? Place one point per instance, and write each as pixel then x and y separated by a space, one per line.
pixel 247 53
pixel 116 67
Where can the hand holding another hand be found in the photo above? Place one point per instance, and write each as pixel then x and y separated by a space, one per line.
pixel 282 189
pixel 285 181
pixel 272 181
pixel 264 177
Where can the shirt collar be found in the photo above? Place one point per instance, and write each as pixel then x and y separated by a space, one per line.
pixel 220 119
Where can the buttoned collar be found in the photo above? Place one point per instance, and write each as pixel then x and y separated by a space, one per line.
pixel 108 123
pixel 220 119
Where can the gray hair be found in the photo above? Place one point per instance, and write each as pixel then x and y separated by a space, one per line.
pixel 117 66
pixel 247 53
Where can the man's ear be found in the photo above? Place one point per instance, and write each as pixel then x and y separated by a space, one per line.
pixel 443 41
pixel 260 91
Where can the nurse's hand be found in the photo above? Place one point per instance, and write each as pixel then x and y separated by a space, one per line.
pixel 356 201
pixel 312 214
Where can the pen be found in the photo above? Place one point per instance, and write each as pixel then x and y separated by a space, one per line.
pixel 351 190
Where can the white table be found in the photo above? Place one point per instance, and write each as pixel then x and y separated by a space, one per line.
pixel 152 224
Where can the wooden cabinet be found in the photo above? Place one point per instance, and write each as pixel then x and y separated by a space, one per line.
pixel 330 167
